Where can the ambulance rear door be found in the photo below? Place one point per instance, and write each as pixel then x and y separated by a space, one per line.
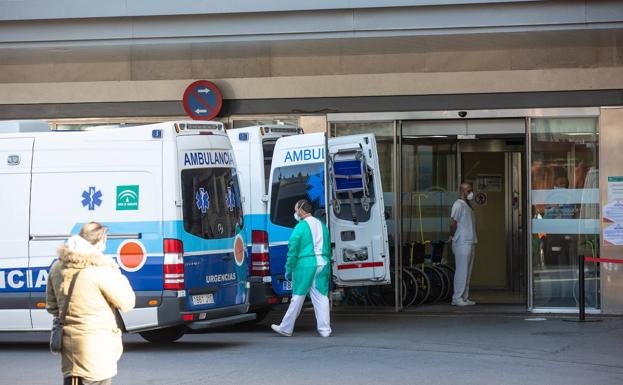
pixel 15 281
pixel 215 270
pixel 356 213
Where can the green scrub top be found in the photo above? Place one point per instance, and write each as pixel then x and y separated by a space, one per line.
pixel 302 262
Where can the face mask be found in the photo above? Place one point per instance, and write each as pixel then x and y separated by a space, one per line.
pixel 297 217
pixel 470 196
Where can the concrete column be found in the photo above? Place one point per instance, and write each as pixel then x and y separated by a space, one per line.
pixel 610 164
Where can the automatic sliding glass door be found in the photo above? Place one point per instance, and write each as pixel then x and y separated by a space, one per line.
pixel 564 211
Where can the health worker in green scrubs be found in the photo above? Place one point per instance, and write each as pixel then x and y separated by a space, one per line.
pixel 309 267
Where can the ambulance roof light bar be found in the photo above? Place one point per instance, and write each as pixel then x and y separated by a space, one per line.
pixel 191 126
pixel 281 129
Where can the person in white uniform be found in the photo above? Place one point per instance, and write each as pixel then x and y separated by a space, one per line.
pixel 308 266
pixel 463 238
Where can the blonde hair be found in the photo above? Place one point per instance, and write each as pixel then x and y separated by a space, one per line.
pixel 93 232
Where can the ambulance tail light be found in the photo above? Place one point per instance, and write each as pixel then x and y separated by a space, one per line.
pixel 260 259
pixel 173 264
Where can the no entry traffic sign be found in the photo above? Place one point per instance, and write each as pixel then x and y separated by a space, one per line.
pixel 202 100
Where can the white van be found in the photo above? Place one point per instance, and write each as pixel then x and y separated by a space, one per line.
pixel 302 166
pixel 168 193
pixel 253 148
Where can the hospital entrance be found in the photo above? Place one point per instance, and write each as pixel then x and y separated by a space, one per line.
pixel 534 183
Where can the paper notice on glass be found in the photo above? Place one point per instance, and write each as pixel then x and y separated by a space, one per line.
pixel 613 212
pixel 489 182
pixel 615 188
pixel 613 234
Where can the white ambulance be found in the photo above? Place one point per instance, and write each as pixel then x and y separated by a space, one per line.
pixel 168 193
pixel 253 148
pixel 258 150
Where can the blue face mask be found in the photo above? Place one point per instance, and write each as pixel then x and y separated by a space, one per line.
pixel 297 217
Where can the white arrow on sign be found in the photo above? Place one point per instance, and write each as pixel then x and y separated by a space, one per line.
pixel 204 91
pixel 200 111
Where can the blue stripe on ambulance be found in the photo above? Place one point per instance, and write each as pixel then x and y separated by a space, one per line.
pixel 150 276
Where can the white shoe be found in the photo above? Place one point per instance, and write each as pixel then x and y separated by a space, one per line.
pixel 469 302
pixel 325 335
pixel 459 302
pixel 277 329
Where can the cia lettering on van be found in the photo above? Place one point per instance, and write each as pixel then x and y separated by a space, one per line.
pixel 304 154
pixel 23 279
pixel 205 158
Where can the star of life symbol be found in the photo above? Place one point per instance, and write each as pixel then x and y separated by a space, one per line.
pixel 203 200
pixel 230 201
pixel 315 190
pixel 91 198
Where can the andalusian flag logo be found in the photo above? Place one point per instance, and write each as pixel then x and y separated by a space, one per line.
pixel 127 197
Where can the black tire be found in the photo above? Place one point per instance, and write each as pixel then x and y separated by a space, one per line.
pixel 166 335
pixel 356 296
pixel 410 288
pixel 386 293
pixel 446 282
pixel 437 284
pixel 450 274
pixel 260 314
pixel 423 285
pixel 377 294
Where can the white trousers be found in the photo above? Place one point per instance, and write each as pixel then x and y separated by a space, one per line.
pixel 321 308
pixel 464 261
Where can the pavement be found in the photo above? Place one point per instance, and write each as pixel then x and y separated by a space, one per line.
pixel 366 348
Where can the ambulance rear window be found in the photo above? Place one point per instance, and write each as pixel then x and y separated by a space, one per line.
pixel 293 183
pixel 268 147
pixel 212 206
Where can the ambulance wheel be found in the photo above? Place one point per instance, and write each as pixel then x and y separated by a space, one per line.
pixel 387 293
pixel 161 336
pixel 376 294
pixel 260 314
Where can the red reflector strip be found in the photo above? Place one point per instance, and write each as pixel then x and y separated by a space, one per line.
pixel 360 265
pixel 187 317
pixel 606 260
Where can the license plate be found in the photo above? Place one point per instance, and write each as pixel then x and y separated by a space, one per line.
pixel 287 285
pixel 202 299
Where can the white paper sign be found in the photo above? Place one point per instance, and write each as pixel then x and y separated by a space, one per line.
pixel 613 234
pixel 615 188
